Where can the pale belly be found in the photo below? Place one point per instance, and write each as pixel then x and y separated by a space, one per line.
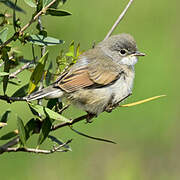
pixel 96 100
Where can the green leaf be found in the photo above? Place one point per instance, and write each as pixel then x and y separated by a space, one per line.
pixel 51 114
pixel 70 53
pixel 3 35
pixel 5 58
pixel 21 130
pixel 57 12
pixel 37 73
pixel 5 116
pixel 4 73
pixel 51 103
pixel 46 2
pixel 48 75
pixel 43 41
pixel 78 52
pixel 31 127
pixel 39 5
pixel 9 135
pixel 30 3
pixel 21 92
pixel 45 130
pixel 12 5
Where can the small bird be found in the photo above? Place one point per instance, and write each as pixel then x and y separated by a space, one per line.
pixel 101 78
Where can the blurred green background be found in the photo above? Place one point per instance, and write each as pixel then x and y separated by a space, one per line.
pixel 147 135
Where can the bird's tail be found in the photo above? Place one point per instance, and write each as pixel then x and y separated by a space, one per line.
pixel 49 93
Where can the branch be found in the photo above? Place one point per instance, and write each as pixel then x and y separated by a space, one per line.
pixel 25 66
pixel 118 20
pixel 20 32
pixel 69 123
pixel 11 99
pixel 38 151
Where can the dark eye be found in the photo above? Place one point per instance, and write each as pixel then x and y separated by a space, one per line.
pixel 123 52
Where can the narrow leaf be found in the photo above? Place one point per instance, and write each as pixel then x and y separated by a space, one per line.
pixel 31 127
pixel 51 113
pixel 46 128
pixel 71 50
pixel 44 41
pixel 5 116
pixel 21 130
pixel 21 92
pixel 3 35
pixel 57 12
pixel 5 58
pixel 4 73
pixel 46 2
pixel 142 101
pixel 37 73
pixel 9 135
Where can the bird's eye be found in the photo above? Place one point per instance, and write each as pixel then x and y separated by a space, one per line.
pixel 123 52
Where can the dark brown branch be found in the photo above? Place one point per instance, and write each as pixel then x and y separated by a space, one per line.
pixel 20 32
pixel 118 20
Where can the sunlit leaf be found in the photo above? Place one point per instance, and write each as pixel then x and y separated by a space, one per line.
pixel 51 113
pixel 71 50
pixel 44 41
pixel 57 12
pixel 2 124
pixel 142 101
pixel 3 35
pixel 21 130
pixel 78 52
pixel 30 3
pixel 4 73
pixel 37 73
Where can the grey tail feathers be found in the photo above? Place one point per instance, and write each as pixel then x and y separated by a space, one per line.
pixel 49 93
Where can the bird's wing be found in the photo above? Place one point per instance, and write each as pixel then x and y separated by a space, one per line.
pixel 99 73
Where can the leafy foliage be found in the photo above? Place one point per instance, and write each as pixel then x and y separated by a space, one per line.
pixel 44 117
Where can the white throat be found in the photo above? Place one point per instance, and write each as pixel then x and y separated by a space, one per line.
pixel 129 60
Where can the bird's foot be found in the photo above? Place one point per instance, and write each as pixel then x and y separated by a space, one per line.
pixel 90 116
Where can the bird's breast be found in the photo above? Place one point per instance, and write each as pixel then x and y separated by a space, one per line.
pixel 123 86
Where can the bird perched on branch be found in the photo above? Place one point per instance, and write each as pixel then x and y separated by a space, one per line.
pixel 101 78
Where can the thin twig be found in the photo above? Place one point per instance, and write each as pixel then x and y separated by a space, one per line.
pixel 25 66
pixel 57 126
pixel 6 146
pixel 38 151
pixel 43 50
pixel 11 99
pixel 20 32
pixel 118 20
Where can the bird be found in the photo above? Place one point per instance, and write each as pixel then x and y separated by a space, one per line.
pixel 101 78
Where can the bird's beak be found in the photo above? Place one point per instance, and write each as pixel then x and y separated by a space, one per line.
pixel 137 53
